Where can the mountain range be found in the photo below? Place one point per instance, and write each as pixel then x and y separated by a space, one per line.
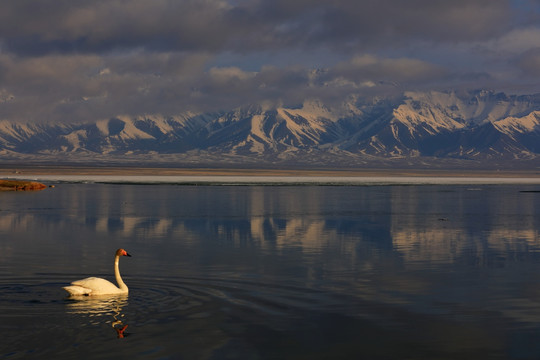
pixel 474 127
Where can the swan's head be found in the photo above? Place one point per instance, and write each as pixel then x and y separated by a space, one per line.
pixel 122 252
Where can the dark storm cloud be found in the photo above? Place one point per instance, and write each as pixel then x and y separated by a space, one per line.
pixel 529 62
pixel 385 22
pixel 40 27
pixel 76 60
pixel 33 28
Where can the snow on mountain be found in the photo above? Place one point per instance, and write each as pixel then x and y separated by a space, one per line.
pixel 465 125
pixel 447 124
pixel 526 124
pixel 475 107
pixel 10 132
pixel 255 130
pixel 430 118
pixel 137 134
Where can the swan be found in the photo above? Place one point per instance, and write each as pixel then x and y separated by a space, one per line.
pixel 97 286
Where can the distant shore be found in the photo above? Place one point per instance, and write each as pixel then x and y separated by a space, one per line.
pixel 5 172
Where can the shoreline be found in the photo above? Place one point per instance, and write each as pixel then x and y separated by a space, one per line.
pixel 161 171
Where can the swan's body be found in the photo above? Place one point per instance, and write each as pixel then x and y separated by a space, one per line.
pixel 96 286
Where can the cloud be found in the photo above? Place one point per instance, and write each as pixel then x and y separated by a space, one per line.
pixel 30 28
pixel 529 62
pixel 403 70
pixel 516 41
pixel 61 26
pixel 226 75
pixel 83 87
pixel 74 60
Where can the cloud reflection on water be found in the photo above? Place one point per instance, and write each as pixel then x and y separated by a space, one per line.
pixel 416 222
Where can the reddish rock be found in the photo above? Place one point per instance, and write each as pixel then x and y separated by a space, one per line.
pixel 19 185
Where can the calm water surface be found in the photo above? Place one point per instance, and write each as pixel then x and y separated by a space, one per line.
pixel 273 272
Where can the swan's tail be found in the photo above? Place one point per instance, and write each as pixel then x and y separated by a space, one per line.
pixel 77 290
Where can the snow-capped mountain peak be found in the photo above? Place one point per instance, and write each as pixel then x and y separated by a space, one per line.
pixel 468 125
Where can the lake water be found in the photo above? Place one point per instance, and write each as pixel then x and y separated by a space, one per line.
pixel 440 271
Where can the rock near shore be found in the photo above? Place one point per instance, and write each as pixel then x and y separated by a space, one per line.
pixel 20 185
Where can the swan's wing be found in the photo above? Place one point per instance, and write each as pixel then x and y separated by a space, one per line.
pixel 95 286
pixel 77 290
pixel 87 281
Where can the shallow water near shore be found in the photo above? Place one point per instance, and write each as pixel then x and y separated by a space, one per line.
pixel 440 271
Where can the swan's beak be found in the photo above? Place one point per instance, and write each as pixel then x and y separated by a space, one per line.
pixel 127 254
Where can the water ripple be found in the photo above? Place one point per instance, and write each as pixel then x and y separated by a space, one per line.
pixel 197 297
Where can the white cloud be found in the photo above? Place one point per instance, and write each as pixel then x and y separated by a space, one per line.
pixel 514 42
pixel 224 74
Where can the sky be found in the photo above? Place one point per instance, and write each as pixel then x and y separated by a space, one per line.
pixel 75 60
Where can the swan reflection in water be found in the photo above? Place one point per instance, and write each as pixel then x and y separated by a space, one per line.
pixel 101 306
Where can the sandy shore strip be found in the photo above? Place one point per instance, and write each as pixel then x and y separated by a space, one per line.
pixel 182 176
pixel 162 171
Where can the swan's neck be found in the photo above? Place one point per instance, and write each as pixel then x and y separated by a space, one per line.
pixel 119 280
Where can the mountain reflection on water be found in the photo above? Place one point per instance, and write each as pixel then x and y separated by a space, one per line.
pixel 423 223
pixel 422 271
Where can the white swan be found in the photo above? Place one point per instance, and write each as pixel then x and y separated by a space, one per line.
pixel 97 286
